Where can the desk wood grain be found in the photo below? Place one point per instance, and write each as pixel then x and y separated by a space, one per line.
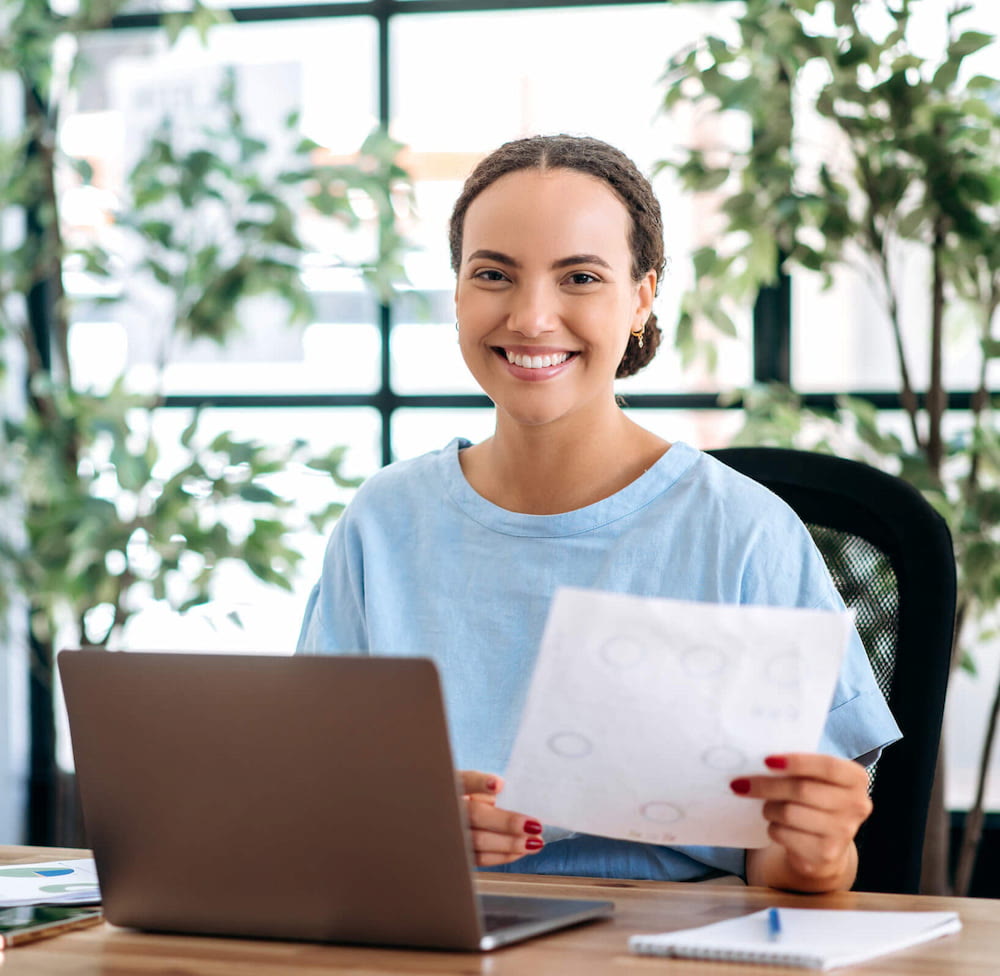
pixel 589 950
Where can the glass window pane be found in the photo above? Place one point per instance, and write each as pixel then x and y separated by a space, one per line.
pixel 593 71
pixel 418 430
pixel 967 709
pixel 842 337
pixel 270 617
pixel 135 80
pixel 247 615
pixel 426 359
pixel 703 429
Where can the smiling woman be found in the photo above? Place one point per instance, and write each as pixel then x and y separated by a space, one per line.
pixel 549 296
pixel 456 554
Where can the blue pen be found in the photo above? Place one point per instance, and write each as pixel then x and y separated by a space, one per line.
pixel 773 925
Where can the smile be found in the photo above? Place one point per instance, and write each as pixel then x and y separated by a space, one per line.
pixel 536 362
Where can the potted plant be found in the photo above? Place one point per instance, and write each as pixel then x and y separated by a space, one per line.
pixel 910 161
pixel 106 520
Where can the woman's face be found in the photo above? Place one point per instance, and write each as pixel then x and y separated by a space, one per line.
pixel 545 295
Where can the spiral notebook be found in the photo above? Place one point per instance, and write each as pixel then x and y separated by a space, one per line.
pixel 810 938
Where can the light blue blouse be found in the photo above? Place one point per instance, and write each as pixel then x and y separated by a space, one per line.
pixel 421 565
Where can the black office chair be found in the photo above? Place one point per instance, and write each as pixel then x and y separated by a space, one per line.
pixel 891 557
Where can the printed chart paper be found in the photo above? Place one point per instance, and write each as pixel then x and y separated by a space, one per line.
pixel 49 883
pixel 642 710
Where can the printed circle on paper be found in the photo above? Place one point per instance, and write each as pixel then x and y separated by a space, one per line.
pixel 661 812
pixel 723 757
pixel 570 745
pixel 623 652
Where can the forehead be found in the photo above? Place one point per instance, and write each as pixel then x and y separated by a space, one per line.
pixel 555 211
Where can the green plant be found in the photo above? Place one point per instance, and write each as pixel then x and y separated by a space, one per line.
pixel 912 155
pixel 107 518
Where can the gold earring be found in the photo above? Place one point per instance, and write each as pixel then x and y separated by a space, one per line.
pixel 638 335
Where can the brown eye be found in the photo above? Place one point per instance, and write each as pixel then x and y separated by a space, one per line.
pixel 489 274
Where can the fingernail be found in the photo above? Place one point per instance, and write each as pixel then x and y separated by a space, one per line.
pixel 776 762
pixel 740 786
pixel 534 843
pixel 532 827
pixel 491 785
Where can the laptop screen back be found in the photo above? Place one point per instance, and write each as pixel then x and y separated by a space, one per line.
pixel 289 797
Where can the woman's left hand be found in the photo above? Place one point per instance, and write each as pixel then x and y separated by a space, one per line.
pixel 814 808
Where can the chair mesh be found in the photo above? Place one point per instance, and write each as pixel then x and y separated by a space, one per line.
pixel 867 583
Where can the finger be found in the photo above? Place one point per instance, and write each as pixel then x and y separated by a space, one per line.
pixel 489 842
pixel 501 836
pixel 490 860
pixel 815 794
pixel 486 817
pixel 811 854
pixel 472 781
pixel 814 765
pixel 808 820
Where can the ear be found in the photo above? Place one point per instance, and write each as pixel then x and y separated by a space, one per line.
pixel 645 292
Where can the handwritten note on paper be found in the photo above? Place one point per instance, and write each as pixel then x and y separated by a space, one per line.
pixel 642 710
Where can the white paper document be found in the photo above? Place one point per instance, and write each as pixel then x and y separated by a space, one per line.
pixel 642 710
pixel 49 883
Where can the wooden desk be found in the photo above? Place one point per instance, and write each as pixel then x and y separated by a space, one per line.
pixel 597 948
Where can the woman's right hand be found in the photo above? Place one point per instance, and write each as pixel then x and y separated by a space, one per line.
pixel 498 836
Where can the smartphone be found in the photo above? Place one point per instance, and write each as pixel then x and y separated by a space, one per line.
pixel 27 923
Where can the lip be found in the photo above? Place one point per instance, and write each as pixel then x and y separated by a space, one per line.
pixel 541 373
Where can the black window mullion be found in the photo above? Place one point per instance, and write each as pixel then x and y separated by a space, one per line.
pixel 386 400
pixel 772 332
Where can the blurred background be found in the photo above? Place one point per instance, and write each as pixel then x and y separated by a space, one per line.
pixel 224 367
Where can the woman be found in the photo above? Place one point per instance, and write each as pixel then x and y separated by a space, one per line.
pixel 557 247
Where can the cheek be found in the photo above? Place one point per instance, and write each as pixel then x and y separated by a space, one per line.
pixel 471 305
pixel 621 346
pixel 474 353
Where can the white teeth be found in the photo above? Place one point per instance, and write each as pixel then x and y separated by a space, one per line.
pixel 536 362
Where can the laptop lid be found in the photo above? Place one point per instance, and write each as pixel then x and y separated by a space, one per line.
pixel 308 798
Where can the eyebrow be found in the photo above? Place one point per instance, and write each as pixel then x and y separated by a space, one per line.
pixel 497 256
pixel 506 259
pixel 581 259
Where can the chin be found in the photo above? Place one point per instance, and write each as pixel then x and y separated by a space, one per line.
pixel 526 417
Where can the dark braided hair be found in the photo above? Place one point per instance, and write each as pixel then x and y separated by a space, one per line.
pixel 610 165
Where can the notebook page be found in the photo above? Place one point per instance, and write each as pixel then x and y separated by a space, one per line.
pixel 810 938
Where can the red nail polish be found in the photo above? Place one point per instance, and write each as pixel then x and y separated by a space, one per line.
pixel 740 786
pixel 776 762
pixel 534 843
pixel 532 827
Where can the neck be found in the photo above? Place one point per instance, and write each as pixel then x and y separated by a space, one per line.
pixel 560 467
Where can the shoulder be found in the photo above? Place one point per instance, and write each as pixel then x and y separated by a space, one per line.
pixel 757 533
pixel 406 479
pixel 401 504
pixel 723 492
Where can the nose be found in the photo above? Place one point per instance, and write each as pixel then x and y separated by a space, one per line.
pixel 534 311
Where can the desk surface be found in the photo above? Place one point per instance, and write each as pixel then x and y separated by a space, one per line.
pixel 589 950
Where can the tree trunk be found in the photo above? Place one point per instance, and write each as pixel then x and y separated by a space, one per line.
pixel 934 878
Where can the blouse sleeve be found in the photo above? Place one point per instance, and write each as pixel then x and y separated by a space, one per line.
pixel 334 621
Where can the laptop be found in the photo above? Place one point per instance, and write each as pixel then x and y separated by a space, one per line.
pixel 303 798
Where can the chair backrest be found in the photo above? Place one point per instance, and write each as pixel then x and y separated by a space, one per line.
pixel 891 557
